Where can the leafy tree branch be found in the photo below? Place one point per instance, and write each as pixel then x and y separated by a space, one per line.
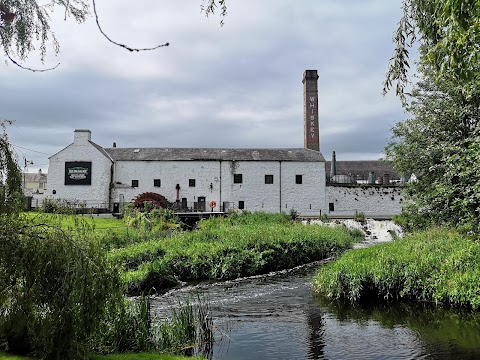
pixel 449 31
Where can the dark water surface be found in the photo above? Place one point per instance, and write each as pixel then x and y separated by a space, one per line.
pixel 277 316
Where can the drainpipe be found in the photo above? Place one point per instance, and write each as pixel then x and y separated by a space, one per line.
pixel 280 183
pixel 110 188
pixel 220 200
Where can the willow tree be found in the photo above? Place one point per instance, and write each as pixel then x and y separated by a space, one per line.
pixel 449 32
pixel 55 289
pixel 440 144
pixel 11 198
pixel 25 24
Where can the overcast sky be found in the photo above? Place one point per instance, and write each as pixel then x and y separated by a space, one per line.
pixel 239 85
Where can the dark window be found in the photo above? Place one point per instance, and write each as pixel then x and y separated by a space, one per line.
pixel 184 203
pixel 241 205
pixel 268 179
pixel 156 182
pixel 298 179
pixel 191 182
pixel 331 207
pixel 134 183
pixel 237 178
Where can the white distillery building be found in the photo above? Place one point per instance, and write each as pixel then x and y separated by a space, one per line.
pixel 271 180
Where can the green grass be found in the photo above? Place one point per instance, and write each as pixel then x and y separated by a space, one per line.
pixel 222 248
pixel 128 356
pixel 69 221
pixel 436 265
pixel 225 249
pixel 140 356
pixel 112 233
pixel 5 356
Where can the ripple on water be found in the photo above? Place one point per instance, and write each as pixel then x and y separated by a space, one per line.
pixel 276 317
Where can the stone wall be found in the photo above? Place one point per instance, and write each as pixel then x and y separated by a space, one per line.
pixel 373 201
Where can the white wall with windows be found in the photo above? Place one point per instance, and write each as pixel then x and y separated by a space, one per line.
pixel 269 186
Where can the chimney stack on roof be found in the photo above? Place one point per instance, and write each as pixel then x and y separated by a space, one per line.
pixel 80 135
pixel 333 165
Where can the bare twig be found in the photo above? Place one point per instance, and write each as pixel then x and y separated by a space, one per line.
pixel 17 63
pixel 27 68
pixel 118 44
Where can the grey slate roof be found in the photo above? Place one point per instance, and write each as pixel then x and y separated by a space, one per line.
pixel 362 168
pixel 101 149
pixel 213 154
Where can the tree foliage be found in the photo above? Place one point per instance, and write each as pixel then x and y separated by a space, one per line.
pixel 449 31
pixel 11 198
pixel 55 288
pixel 440 144
pixel 31 24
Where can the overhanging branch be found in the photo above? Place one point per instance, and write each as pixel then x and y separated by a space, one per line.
pixel 118 44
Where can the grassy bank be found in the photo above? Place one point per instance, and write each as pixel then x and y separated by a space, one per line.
pixel 436 265
pixel 131 356
pixel 229 248
pixel 221 248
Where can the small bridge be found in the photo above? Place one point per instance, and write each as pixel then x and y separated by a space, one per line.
pixel 191 218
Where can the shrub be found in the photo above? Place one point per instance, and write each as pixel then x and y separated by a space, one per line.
pixel 54 290
pixel 63 206
pixel 359 216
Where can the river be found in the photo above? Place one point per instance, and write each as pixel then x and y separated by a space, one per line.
pixel 277 316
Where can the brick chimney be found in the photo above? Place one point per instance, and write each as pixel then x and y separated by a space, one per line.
pixel 310 110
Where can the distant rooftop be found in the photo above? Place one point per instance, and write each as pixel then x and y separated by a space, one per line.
pixel 359 169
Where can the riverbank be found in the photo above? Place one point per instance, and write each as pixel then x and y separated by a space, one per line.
pixel 437 265
pixel 133 356
pixel 229 248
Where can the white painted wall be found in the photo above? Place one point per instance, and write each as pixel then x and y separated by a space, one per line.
pixel 96 194
pixel 373 201
pixel 307 198
pixel 256 195
pixel 170 174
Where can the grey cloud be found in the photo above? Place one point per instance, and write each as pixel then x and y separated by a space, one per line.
pixel 236 86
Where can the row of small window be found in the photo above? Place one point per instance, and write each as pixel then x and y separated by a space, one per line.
pixel 237 179
pixel 157 183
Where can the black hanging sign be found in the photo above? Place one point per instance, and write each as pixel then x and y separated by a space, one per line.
pixel 78 173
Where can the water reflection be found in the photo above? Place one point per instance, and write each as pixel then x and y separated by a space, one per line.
pixel 439 332
pixel 277 316
pixel 315 335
